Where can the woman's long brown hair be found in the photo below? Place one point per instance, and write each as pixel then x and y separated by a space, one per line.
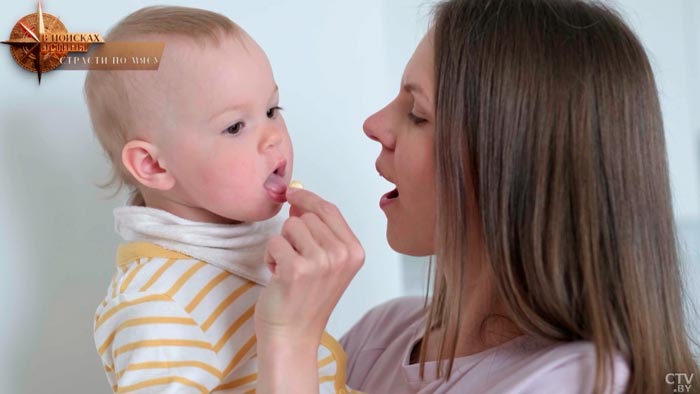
pixel 550 108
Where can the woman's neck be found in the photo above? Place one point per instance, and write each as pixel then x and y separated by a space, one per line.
pixel 485 321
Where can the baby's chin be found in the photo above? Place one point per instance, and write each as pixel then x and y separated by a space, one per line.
pixel 258 215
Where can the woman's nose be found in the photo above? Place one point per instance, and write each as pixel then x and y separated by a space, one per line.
pixel 378 127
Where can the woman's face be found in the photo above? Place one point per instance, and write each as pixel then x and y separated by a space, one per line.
pixel 406 130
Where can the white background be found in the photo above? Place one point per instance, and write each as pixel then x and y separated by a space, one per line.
pixel 335 62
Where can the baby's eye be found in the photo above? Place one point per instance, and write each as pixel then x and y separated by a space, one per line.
pixel 272 112
pixel 234 128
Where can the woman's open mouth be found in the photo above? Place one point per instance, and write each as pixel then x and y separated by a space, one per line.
pixel 388 198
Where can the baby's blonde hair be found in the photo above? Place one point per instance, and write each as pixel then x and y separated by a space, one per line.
pixel 108 92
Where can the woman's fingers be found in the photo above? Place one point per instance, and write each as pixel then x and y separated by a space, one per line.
pixel 321 233
pixel 314 260
pixel 299 236
pixel 278 249
pixel 304 201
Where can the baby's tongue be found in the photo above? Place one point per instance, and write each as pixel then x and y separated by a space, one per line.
pixel 275 184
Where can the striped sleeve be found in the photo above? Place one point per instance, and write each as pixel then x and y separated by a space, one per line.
pixel 152 345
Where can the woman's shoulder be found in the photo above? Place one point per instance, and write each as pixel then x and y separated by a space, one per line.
pixel 383 322
pixel 397 310
pixel 536 365
pixel 577 356
pixel 578 361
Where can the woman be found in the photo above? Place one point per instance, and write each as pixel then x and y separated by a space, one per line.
pixel 527 147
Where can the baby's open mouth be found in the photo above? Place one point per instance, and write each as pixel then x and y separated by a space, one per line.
pixel 276 185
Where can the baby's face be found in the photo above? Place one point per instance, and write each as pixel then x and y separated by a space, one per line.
pixel 223 137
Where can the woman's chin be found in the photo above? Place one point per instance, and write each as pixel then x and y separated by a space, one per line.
pixel 408 246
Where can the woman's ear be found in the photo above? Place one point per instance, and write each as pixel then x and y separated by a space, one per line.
pixel 142 161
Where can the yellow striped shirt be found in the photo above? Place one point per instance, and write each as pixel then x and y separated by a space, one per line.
pixel 173 324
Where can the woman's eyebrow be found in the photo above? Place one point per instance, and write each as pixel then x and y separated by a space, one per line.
pixel 416 90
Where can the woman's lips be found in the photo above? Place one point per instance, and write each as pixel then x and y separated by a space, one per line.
pixel 388 198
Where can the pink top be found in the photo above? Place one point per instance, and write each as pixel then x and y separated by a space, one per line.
pixel 378 349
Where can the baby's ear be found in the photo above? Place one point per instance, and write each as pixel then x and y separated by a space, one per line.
pixel 141 159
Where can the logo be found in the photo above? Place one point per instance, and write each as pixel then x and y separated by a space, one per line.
pixel 681 382
pixel 40 43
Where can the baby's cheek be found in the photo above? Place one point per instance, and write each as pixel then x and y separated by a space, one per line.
pixel 231 179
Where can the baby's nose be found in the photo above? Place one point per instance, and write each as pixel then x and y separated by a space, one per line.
pixel 272 136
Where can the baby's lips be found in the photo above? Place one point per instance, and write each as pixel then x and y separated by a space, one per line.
pixel 276 188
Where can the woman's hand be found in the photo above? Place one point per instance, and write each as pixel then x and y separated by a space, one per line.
pixel 312 262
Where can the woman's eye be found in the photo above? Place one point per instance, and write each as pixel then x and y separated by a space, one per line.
pixel 234 128
pixel 415 119
pixel 272 112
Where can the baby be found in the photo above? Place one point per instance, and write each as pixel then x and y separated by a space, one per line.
pixel 203 147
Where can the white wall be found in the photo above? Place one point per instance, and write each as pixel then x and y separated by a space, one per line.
pixel 335 61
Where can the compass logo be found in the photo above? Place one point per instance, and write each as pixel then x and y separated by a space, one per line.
pixel 40 42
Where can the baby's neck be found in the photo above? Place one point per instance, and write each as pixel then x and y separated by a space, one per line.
pixel 184 211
